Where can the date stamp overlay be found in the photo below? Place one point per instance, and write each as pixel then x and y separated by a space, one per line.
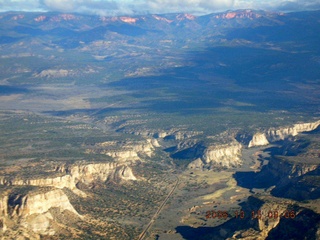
pixel 254 214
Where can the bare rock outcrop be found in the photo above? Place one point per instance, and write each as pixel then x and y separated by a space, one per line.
pixel 100 172
pixel 259 139
pixel 84 173
pixel 224 155
pixel 293 179
pixel 276 218
pixel 172 134
pixel 127 151
pixel 32 211
pixel 273 135
pixel 39 203
pixel 123 173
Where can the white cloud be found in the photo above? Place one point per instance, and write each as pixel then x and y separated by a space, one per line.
pixel 283 5
pixel 61 5
pixel 116 7
pixel 188 5
pixel 16 5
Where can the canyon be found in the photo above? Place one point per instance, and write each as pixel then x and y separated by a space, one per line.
pixel 33 213
pixel 74 174
pixel 273 135
pixel 108 121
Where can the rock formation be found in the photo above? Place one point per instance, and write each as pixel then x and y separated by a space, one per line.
pixel 89 173
pixel 84 173
pixel 259 139
pixel 278 218
pixel 173 134
pixel 273 135
pixel 128 151
pixel 39 203
pixel 225 155
pixel 292 179
pixel 32 211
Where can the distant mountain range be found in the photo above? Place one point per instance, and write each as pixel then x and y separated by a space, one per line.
pixel 259 26
pixel 256 49
pixel 159 98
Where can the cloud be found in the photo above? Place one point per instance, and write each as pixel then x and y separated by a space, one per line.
pixel 276 5
pixel 302 5
pixel 61 5
pixel 14 5
pixel 81 5
pixel 117 7
pixel 189 5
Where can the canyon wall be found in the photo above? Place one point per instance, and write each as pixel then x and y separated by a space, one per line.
pixel 129 151
pixel 84 173
pixel 226 155
pixel 171 134
pixel 278 218
pixel 39 203
pixel 31 213
pixel 273 135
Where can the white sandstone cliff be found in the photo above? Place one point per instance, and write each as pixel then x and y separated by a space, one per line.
pixel 258 139
pixel 32 211
pixel 273 135
pixel 39 203
pixel 226 155
pixel 89 173
pixel 174 133
pixel 84 173
pixel 126 151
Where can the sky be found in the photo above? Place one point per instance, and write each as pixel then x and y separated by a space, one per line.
pixel 131 7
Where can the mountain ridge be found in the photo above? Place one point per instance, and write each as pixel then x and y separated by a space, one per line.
pixel 41 17
pixel 68 30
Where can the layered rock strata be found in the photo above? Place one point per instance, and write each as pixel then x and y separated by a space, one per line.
pixel 126 151
pixel 226 155
pixel 84 173
pixel 292 179
pixel 276 219
pixel 32 211
pixel 173 134
pixel 273 135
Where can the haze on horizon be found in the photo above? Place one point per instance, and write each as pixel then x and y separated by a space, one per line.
pixel 131 7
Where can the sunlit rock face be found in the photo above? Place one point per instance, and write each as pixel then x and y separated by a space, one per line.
pixel 126 151
pixel 259 139
pixel 89 173
pixel 39 203
pixel 171 134
pixel 273 135
pixel 124 173
pixel 226 155
pixel 31 212
pixel 84 173
pixel 4 205
pixel 37 212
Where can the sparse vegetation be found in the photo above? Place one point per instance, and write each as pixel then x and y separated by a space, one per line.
pixel 72 90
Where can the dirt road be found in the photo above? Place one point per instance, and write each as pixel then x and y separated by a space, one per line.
pixel 155 216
